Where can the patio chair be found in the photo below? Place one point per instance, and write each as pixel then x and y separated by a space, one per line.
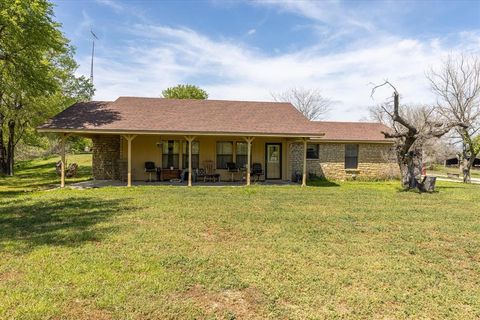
pixel 70 171
pixel 150 168
pixel 232 168
pixel 201 174
pixel 210 170
pixel 257 171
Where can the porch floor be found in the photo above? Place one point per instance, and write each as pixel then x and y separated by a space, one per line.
pixel 115 183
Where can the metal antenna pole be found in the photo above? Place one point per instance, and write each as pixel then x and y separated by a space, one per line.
pixel 91 65
pixel 93 53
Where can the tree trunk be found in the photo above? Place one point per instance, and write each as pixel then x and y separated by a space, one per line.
pixel 427 184
pixel 3 159
pixel 468 158
pixel 411 169
pixel 11 147
pixel 467 165
pixel 409 158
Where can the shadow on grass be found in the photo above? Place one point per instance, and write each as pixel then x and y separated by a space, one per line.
pixel 27 165
pixel 457 186
pixel 58 222
pixel 24 182
pixel 321 183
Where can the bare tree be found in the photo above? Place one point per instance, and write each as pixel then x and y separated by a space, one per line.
pixel 436 151
pixel 308 101
pixel 457 86
pixel 411 128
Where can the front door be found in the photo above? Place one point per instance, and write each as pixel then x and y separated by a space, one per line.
pixel 273 161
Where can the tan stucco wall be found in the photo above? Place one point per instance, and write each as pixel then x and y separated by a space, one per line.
pixel 144 148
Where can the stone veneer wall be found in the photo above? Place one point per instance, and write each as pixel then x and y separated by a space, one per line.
pixel 106 153
pixel 375 161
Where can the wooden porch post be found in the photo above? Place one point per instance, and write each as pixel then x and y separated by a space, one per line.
pixel 180 155
pixel 304 175
pixel 289 174
pixel 129 158
pixel 249 155
pixel 63 137
pixel 190 140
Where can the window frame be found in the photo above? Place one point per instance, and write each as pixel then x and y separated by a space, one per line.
pixel 217 154
pixel 195 155
pixel 176 163
pixel 349 158
pixel 241 155
pixel 317 151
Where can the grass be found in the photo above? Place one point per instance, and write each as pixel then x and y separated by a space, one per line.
pixel 339 250
pixel 442 171
pixel 40 174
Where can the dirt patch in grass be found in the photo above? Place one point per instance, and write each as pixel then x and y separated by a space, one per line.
pixel 215 234
pixel 229 304
pixel 9 276
pixel 80 311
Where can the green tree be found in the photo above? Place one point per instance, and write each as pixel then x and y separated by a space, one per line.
pixel 36 72
pixel 476 146
pixel 185 91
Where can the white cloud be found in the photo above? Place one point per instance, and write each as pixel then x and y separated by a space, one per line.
pixel 164 56
pixel 115 5
pixel 251 32
pixel 327 12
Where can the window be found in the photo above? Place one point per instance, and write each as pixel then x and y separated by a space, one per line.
pixel 242 154
pixel 170 154
pixel 313 151
pixel 224 154
pixel 351 156
pixel 195 155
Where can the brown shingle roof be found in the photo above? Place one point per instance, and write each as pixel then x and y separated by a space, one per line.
pixel 172 115
pixel 352 131
pixel 132 114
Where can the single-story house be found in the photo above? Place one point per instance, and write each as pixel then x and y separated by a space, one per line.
pixel 195 134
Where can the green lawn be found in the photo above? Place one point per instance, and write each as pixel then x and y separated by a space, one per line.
pixel 339 250
pixel 40 174
pixel 442 171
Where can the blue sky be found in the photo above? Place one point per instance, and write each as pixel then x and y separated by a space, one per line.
pixel 248 50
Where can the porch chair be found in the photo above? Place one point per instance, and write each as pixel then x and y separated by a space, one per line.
pixel 150 168
pixel 201 174
pixel 210 171
pixel 232 168
pixel 70 171
pixel 257 171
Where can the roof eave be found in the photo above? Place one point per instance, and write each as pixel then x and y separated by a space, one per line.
pixel 197 133
pixel 357 141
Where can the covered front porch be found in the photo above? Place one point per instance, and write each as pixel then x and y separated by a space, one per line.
pixel 193 159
